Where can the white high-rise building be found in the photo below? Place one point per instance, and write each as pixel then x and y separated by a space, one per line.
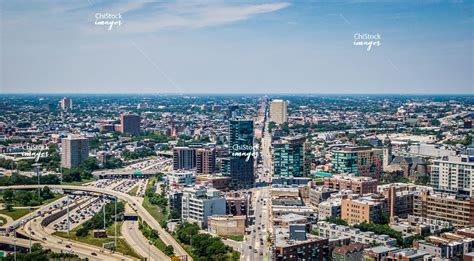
pixel 279 111
pixel 453 174
pixel 66 104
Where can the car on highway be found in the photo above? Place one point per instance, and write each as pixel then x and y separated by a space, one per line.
pixel 94 254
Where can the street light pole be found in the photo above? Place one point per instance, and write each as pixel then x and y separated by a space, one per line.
pixel 115 222
pixel 14 247
pixel 149 251
pixel 37 168
pixel 29 229
pixel 104 210
pixel 68 221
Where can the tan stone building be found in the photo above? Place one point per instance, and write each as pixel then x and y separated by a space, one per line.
pixel 75 150
pixel 226 225
pixel 356 209
pixel 457 210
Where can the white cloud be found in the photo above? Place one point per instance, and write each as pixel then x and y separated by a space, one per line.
pixel 195 16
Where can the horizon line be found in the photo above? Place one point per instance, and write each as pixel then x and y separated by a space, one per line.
pixel 233 93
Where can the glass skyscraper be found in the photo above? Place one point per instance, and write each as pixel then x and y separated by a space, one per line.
pixel 291 157
pixel 241 136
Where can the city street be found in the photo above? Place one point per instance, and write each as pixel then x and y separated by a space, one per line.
pixel 255 246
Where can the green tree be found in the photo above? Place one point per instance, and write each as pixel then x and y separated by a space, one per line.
pixel 90 164
pixel 23 165
pixel 169 250
pixel 175 214
pixel 8 199
pixel 271 126
pixel 337 221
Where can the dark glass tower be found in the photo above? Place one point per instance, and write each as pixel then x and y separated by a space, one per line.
pixel 241 152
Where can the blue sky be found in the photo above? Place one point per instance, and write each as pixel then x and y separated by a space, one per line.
pixel 237 47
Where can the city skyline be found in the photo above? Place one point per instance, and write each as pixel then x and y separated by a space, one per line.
pixel 276 47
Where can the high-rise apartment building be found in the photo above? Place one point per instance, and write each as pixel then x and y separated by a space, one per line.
pixel 241 152
pixel 184 158
pixel 291 157
pixel 454 174
pixel 205 160
pixel 130 124
pixel 279 111
pixel 360 161
pixel 75 150
pixel 66 104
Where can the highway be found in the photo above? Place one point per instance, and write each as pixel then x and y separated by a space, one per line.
pixel 134 237
pixel 58 244
pixel 16 241
pixel 133 201
pixel 46 207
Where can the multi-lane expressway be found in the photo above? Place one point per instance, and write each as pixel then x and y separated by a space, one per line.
pixel 57 244
pixel 132 234
pixel 134 202
pixel 36 231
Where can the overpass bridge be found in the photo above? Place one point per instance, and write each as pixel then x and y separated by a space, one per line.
pixel 134 203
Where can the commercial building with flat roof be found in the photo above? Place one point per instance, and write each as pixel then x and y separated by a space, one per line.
pixel 200 202
pixel 227 225
pixel 360 161
pixel 356 209
pixel 181 178
pixel 216 181
pixel 457 210
pixel 291 157
pixel 359 185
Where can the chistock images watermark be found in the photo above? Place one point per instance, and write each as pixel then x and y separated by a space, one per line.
pixel 108 20
pixel 245 151
pixel 368 41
